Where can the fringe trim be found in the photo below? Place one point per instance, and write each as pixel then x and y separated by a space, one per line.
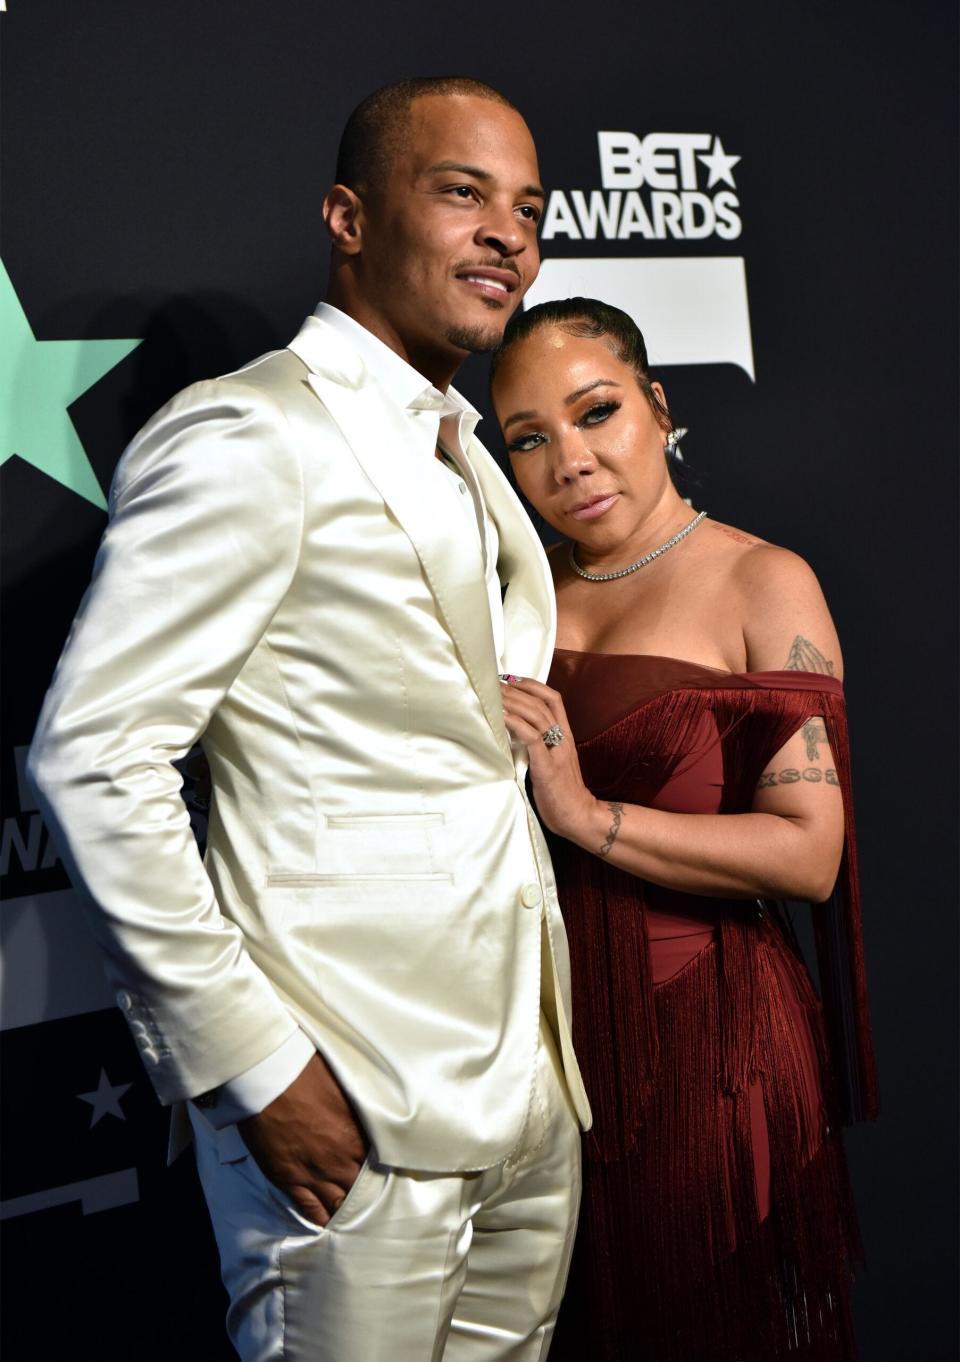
pixel 632 760
pixel 673 1261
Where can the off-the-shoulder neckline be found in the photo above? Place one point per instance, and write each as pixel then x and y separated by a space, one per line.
pixel 699 666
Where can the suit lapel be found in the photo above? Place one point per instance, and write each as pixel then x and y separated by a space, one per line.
pixel 376 433
pixel 529 605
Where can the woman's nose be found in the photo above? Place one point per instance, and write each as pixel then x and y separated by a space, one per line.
pixel 572 458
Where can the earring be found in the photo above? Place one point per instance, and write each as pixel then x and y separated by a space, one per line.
pixel 671 447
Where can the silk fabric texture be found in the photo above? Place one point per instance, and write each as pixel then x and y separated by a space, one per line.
pixel 414 1266
pixel 275 578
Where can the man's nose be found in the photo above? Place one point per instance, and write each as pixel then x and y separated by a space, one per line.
pixel 502 232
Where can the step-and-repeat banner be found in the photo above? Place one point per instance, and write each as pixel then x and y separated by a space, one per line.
pixel 769 190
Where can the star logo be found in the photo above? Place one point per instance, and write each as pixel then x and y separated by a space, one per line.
pixel 105 1100
pixel 41 379
pixel 720 165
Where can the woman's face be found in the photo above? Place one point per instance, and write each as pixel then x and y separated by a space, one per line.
pixel 584 441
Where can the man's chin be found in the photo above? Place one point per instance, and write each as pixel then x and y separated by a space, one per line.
pixel 478 339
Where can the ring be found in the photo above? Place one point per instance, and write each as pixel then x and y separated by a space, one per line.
pixel 554 736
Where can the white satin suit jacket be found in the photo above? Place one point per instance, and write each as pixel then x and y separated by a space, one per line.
pixel 274 579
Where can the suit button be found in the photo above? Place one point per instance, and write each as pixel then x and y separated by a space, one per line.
pixel 530 896
pixel 149 1055
pixel 124 1000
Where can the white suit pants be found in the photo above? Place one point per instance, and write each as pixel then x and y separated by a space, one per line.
pixel 413 1267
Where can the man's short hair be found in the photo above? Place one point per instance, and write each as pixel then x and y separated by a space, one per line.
pixel 380 124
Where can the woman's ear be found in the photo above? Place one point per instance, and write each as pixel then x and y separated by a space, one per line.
pixel 660 408
pixel 343 217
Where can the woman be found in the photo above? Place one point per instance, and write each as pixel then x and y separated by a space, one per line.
pixel 690 751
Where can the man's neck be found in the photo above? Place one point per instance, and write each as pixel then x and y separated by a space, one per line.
pixel 437 366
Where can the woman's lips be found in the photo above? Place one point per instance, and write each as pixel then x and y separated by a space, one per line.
pixel 595 507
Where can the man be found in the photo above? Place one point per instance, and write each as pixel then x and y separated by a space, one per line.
pixel 302 566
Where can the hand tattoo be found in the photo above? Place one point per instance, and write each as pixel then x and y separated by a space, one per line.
pixel 804 657
pixel 814 733
pixel 617 811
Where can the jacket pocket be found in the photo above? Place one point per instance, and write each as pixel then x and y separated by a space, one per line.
pixel 376 848
pixel 231 1149
pixel 375 821
pixel 295 879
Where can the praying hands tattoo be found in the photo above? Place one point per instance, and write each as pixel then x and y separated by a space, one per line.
pixel 804 657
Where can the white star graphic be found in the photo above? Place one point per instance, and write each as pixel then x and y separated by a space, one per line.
pixel 719 164
pixel 105 1100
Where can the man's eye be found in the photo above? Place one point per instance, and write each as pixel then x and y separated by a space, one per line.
pixel 528 211
pixel 524 443
pixel 463 191
pixel 599 413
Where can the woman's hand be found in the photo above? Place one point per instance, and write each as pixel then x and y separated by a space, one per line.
pixel 564 803
pixel 788 846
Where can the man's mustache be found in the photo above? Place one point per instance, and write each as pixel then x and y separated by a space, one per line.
pixel 495 264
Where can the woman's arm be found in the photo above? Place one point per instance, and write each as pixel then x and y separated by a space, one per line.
pixel 789 845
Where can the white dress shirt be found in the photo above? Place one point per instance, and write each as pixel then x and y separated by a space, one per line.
pixel 445 421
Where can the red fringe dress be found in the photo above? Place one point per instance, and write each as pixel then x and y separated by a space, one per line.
pixel 717 1219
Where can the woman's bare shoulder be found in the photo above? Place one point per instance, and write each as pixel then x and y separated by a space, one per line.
pixel 786 621
pixel 754 564
pixel 730 539
pixel 764 570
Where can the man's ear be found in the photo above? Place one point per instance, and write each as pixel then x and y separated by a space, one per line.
pixel 343 216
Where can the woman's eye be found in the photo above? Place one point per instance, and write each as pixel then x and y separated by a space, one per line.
pixel 599 413
pixel 524 443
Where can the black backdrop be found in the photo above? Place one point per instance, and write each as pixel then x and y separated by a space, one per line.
pixel 164 168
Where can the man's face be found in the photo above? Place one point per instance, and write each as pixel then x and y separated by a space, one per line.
pixel 449 242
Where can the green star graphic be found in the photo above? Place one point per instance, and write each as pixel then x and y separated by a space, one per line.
pixel 40 380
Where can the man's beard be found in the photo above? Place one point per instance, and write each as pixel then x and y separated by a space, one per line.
pixel 476 340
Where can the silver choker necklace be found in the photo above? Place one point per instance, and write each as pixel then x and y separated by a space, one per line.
pixel 641 562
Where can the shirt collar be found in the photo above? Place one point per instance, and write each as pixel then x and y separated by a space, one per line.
pixel 408 388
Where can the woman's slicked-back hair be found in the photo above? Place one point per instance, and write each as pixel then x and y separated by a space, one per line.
pixel 379 125
pixel 598 321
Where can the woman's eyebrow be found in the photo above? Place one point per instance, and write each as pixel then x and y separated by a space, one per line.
pixel 588 387
pixel 567 401
pixel 518 416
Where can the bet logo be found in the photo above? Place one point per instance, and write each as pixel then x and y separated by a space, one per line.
pixel 661 187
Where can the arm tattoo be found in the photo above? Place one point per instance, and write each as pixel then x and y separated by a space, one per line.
pixel 814 733
pixel 804 657
pixel 617 811
pixel 791 774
